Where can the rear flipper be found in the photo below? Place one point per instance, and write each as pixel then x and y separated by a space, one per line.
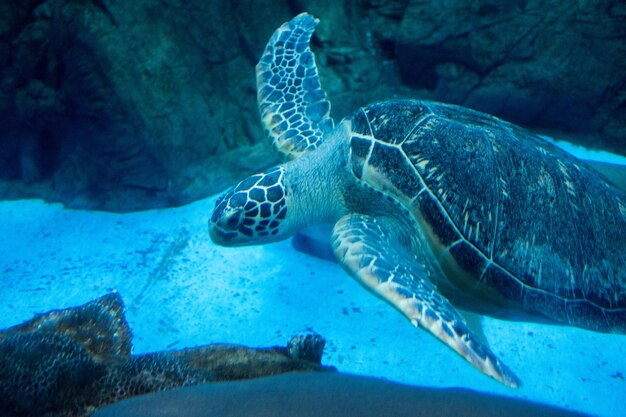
pixel 369 249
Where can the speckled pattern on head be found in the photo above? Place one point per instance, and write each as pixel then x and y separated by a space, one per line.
pixel 253 207
pixel 428 198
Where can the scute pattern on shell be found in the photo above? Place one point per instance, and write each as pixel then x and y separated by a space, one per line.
pixel 520 215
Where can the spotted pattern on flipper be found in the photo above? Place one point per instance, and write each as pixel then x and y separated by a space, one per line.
pixel 369 251
pixel 293 106
pixel 254 207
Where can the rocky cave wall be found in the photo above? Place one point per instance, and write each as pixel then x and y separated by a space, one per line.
pixel 131 105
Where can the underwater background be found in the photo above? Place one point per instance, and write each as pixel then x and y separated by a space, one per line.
pixel 122 121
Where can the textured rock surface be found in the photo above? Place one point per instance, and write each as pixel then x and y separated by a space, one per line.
pixel 129 105
pixel 66 363
pixel 542 64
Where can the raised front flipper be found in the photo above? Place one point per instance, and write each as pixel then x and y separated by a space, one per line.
pixel 370 250
pixel 294 108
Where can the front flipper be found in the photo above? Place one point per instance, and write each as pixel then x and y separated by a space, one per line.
pixel 370 250
pixel 294 108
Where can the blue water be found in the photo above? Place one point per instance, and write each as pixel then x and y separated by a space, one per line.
pixel 181 290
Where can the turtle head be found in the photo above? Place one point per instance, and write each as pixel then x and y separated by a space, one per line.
pixel 254 211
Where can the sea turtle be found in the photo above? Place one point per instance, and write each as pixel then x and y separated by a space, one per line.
pixel 426 197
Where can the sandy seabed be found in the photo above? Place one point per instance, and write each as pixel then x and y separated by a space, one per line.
pixel 182 290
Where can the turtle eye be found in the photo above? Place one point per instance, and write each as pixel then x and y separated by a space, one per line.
pixel 231 219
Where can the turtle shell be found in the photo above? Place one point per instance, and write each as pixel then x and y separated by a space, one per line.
pixel 515 212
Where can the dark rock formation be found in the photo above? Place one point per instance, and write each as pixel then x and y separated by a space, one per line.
pixel 130 105
pixel 69 362
pixel 543 64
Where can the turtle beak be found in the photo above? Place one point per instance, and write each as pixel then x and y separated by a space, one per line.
pixel 217 236
pixel 220 235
